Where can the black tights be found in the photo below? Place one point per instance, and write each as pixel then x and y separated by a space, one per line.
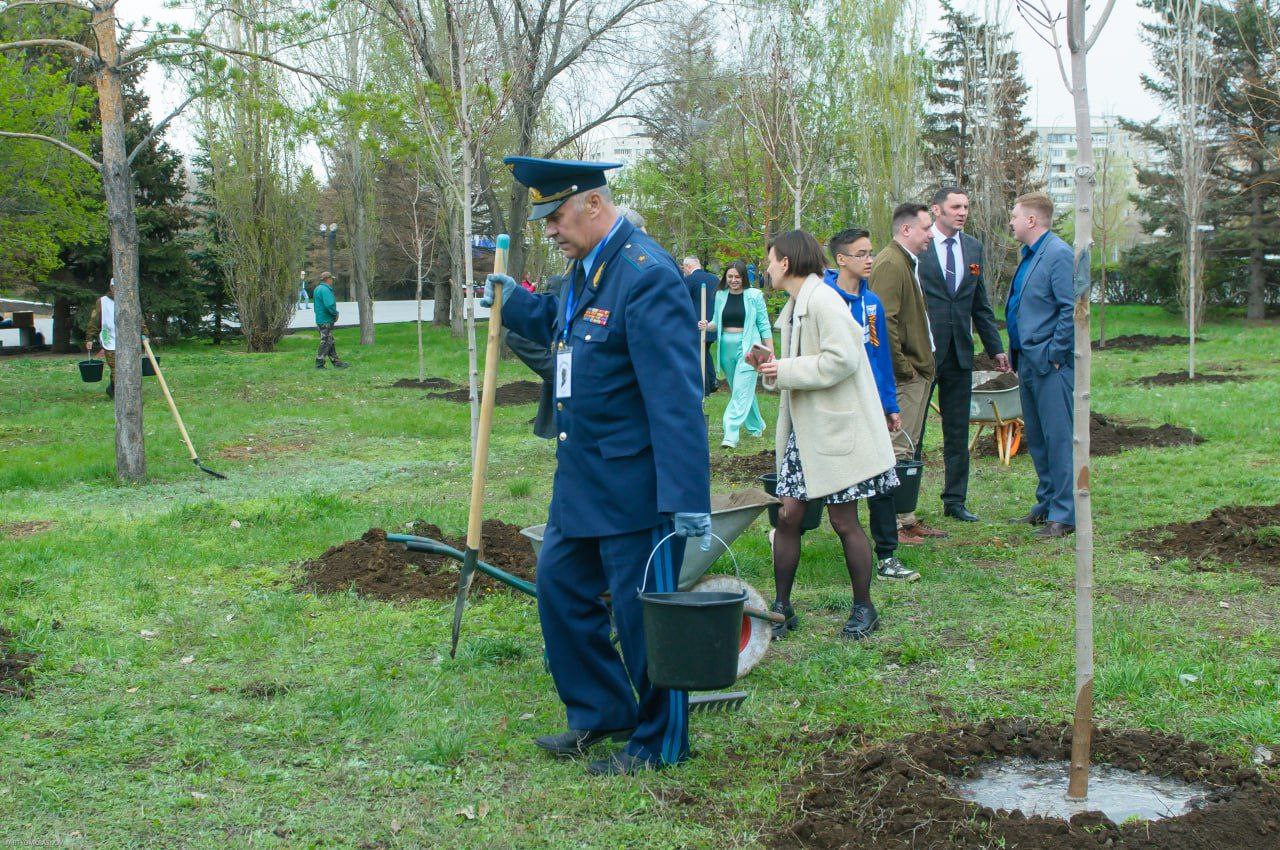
pixel 786 548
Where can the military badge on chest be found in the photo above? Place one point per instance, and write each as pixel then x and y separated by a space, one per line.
pixel 596 316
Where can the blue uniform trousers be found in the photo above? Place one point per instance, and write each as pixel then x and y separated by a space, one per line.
pixel 591 679
pixel 1048 414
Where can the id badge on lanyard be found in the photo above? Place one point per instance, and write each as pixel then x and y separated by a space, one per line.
pixel 564 373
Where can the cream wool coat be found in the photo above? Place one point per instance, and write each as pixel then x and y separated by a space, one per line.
pixel 829 395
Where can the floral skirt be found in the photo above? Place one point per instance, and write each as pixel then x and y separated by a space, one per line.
pixel 791 480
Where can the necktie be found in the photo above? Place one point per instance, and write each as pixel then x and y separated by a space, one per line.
pixel 950 242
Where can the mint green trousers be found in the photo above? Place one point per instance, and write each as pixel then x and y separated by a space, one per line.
pixel 743 409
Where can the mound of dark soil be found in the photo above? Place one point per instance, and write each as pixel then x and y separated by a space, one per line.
pixel 1248 535
pixel 1110 436
pixel 984 363
pixel 390 572
pixel 743 468
pixel 517 392
pixel 15 666
pixel 1003 381
pixel 1141 342
pixel 897 796
pixel 1170 379
pixel 424 384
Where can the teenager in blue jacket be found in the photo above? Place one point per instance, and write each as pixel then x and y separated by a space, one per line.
pixel 851 251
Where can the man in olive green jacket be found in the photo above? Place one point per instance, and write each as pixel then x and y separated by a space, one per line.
pixel 895 282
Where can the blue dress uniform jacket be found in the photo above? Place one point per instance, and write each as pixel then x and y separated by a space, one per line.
pixel 631 448
pixel 631 440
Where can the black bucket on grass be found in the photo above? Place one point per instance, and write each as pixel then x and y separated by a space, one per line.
pixel 90 371
pixel 907 493
pixel 812 514
pixel 147 369
pixel 692 638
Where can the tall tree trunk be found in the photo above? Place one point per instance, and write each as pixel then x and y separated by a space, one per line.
pixel 122 225
pixel 1082 730
pixel 360 271
pixel 1256 307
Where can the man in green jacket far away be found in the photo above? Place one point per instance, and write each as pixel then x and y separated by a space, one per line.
pixel 326 309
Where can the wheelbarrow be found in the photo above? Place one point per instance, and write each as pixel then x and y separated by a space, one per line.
pixel 730 516
pixel 1000 409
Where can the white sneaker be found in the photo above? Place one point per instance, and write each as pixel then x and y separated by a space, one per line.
pixel 728 445
pixel 892 569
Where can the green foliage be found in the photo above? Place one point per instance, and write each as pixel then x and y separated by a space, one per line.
pixel 49 199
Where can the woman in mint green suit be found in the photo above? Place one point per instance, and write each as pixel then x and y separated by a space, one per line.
pixel 741 320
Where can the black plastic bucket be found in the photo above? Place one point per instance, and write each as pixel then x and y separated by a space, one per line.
pixel 147 369
pixel 907 493
pixel 812 514
pixel 692 638
pixel 90 371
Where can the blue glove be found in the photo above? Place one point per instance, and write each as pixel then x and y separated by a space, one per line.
pixel 507 282
pixel 693 525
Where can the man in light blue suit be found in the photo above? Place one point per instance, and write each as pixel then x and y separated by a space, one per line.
pixel 1041 329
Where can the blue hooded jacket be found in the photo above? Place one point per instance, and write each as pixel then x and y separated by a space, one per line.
pixel 868 312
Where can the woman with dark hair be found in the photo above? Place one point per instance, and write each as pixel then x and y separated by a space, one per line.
pixel 740 320
pixel 832 441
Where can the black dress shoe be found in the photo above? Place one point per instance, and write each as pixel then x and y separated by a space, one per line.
pixel 1031 518
pixel 576 742
pixel 622 763
pixel 780 629
pixel 863 620
pixel 959 512
pixel 1054 529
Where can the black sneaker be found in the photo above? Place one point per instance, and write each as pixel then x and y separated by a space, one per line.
pixel 780 629
pixel 319 364
pixel 863 620
pixel 340 364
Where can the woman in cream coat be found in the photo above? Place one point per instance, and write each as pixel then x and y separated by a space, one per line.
pixel 737 329
pixel 832 441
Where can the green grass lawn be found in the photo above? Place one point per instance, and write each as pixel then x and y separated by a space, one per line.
pixel 187 696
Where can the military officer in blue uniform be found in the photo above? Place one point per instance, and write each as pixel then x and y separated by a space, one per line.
pixel 632 477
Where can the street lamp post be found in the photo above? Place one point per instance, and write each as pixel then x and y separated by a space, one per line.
pixel 331 230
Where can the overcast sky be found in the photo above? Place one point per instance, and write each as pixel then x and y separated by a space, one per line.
pixel 1115 63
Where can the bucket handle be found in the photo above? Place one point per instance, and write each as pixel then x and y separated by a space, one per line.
pixel 647 564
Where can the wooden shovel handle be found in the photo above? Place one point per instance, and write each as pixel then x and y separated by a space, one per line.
pixel 173 408
pixel 491 356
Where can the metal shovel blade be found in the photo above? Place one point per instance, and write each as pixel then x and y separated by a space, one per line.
pixel 465 572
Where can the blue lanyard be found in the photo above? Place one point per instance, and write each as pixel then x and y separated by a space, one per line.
pixel 570 300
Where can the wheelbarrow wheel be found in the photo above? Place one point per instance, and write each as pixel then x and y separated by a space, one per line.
pixel 755 635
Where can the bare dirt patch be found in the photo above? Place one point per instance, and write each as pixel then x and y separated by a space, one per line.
pixel 1141 342
pixel 897 796
pixel 743 468
pixel 1171 379
pixel 388 571
pixel 517 392
pixel 20 530
pixel 15 666
pixel 1247 535
pixel 424 384
pixel 268 445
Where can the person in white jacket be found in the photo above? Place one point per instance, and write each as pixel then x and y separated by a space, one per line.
pixel 832 440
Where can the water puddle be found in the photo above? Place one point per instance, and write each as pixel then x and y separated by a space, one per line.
pixel 1040 788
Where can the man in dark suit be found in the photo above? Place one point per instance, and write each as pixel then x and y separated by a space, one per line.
pixel 1040 314
pixel 951 274
pixel 703 284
